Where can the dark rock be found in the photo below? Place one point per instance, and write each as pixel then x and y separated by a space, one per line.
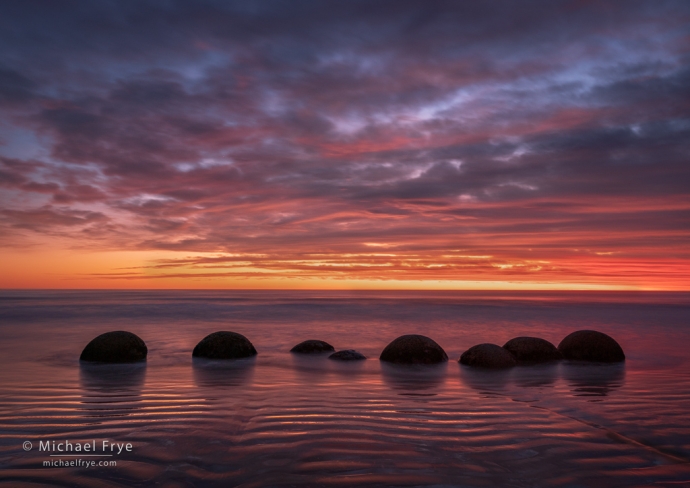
pixel 590 345
pixel 115 347
pixel 488 356
pixel 312 347
pixel 347 355
pixel 414 349
pixel 224 345
pixel 532 350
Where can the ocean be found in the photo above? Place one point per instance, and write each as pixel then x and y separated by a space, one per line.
pixel 283 420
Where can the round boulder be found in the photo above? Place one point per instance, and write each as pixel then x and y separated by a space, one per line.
pixel 224 345
pixel 532 350
pixel 347 355
pixel 414 349
pixel 488 356
pixel 590 345
pixel 312 347
pixel 115 347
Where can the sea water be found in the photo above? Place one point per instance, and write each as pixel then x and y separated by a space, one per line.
pixel 284 420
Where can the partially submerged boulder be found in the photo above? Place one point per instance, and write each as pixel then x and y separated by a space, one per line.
pixel 347 355
pixel 532 350
pixel 591 345
pixel 224 345
pixel 488 356
pixel 115 347
pixel 414 349
pixel 312 346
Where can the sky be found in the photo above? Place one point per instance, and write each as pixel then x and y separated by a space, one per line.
pixel 375 144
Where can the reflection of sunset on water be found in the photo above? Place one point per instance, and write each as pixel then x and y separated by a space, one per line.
pixel 284 416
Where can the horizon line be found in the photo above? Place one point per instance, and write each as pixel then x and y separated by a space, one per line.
pixel 579 290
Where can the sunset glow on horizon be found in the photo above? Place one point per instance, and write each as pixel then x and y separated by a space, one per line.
pixel 349 145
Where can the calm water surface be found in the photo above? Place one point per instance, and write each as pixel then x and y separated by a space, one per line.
pixel 281 420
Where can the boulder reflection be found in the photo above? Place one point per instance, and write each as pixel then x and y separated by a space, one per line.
pixel 535 376
pixel 223 373
pixel 414 379
pixel 111 378
pixel 111 389
pixel 313 369
pixel 595 380
pixel 484 380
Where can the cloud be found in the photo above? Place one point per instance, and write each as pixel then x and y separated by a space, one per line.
pixel 300 127
pixel 47 218
pixel 15 88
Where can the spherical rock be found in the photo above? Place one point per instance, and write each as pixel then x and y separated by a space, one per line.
pixel 347 355
pixel 414 349
pixel 224 345
pixel 590 345
pixel 532 350
pixel 312 347
pixel 488 356
pixel 115 347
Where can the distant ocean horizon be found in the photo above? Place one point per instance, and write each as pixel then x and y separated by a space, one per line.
pixel 283 420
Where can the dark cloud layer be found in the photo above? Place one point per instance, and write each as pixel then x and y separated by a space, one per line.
pixel 282 130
